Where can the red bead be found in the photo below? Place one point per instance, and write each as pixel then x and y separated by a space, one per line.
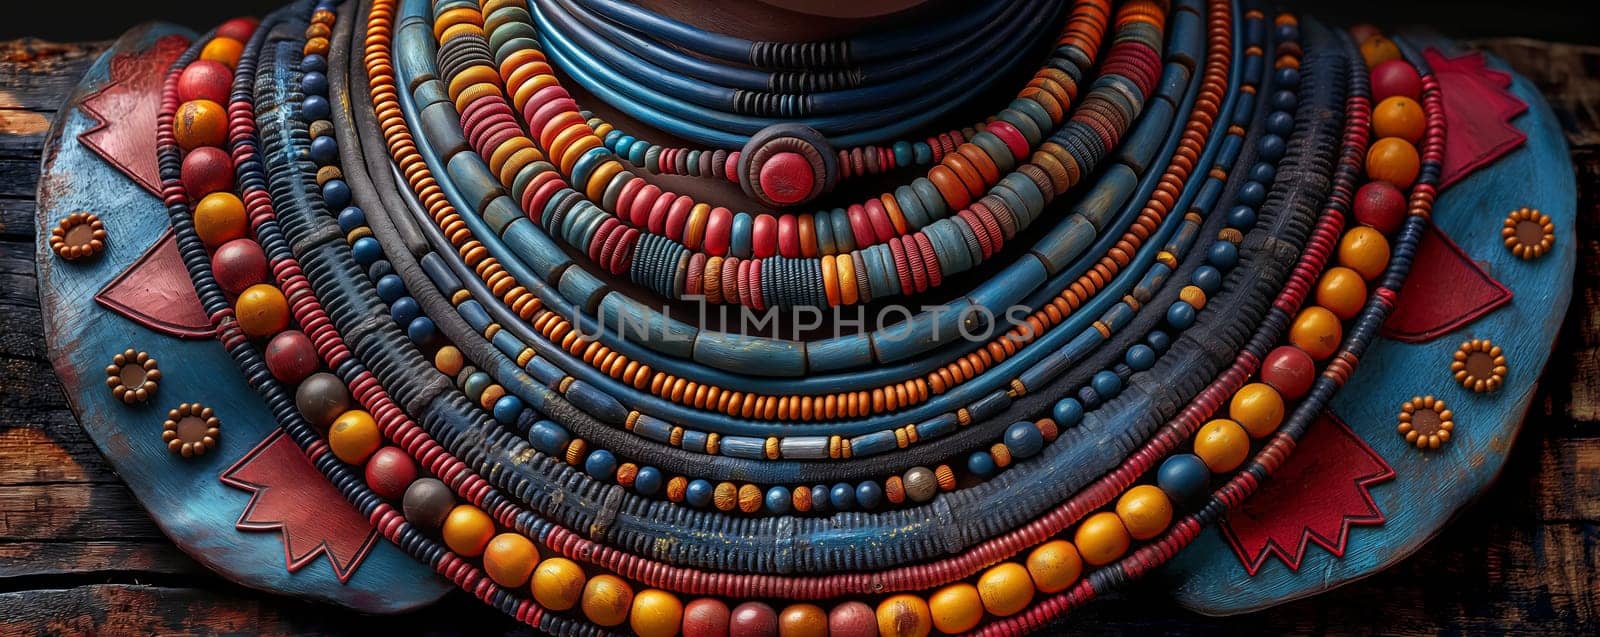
pixel 291 357
pixel 205 80
pixel 1381 205
pixel 882 226
pixel 1395 77
pixel 678 217
pixel 786 178
pixel 1289 370
pixel 705 617
pixel 860 225
pixel 852 619
pixel 764 236
pixel 789 236
pixel 719 232
pixel 238 28
pixel 206 170
pixel 753 619
pixel 657 221
pixel 390 471
pixel 239 264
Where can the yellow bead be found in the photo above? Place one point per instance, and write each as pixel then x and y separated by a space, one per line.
pixel 1055 565
pixel 956 608
pixel 1006 589
pixel 1379 49
pixel 1342 291
pixel 509 559
pixel 448 360
pixel 219 218
pixel 1145 511
pixel 1101 539
pixel 607 600
pixel 224 50
pixel 467 530
pixel 1399 116
pixel 1317 331
pixel 1222 444
pixel 354 436
pixel 261 311
pixel 904 616
pixel 655 613
pixel 1364 250
pixel 558 584
pixel 1258 408
pixel 1393 160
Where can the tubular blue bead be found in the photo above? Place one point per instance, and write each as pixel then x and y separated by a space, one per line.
pixel 842 497
pixel 648 482
pixel 507 409
pixel 981 464
pixel 549 438
pixel 1180 315
pixel 1184 478
pixel 1140 357
pixel 698 494
pixel 778 500
pixel 600 465
pixel 1024 439
pixel 1068 412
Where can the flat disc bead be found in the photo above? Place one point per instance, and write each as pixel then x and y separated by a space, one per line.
pixel 1006 589
pixel 1393 160
pixel 1288 370
pixel 205 80
pixel 956 608
pixel 705 617
pixel 200 123
pixel 239 264
pixel 426 504
pixel 1381 205
pixel 1054 566
pixel 558 584
pixel 786 178
pixel 390 472
pixel 467 530
pixel 354 436
pixel 607 600
pixel 206 170
pixel 753 619
pixel 904 616
pixel 1395 78
pixel 1222 444
pixel 509 559
pixel 655 613
pixel 1258 408
pixel 1101 538
pixel 262 311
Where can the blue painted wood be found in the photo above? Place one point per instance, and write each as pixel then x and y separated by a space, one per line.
pixel 1431 487
pixel 185 498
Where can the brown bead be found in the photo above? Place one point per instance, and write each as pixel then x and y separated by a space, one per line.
pixel 78 235
pixel 132 376
pixel 191 430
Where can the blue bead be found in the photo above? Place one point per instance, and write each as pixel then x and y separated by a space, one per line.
pixel 1068 412
pixel 315 107
pixel 366 250
pixel 648 481
pixel 315 83
pixel 507 409
pixel 1224 255
pixel 380 269
pixel 869 495
pixel 778 500
pixel 1288 31
pixel 1241 217
pixel 1207 278
pixel 981 464
pixel 819 498
pixel 1284 100
pixel 549 438
pixel 336 193
pixel 921 153
pixel 314 63
pixel 1141 357
pixel 1263 172
pixel 1180 315
pixel 1280 123
pixel 1106 382
pixel 1272 147
pixel 1184 478
pixel 390 288
pixel 1252 193
pixel 1286 77
pixel 842 497
pixel 405 310
pixel 324 150
pixel 421 330
pixel 1024 439
pixel 902 153
pixel 351 218
pixel 1159 341
pixel 600 465
pixel 698 494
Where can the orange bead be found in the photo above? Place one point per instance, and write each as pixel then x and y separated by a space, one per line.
pixel 509 559
pixel 1393 160
pixel 803 620
pixel 1258 408
pixel 1399 116
pixel 354 436
pixel 1317 331
pixel 1342 291
pixel 261 311
pixel 904 616
pixel 219 218
pixel 1378 49
pixel 200 123
pixel 1102 539
pixel 558 584
pixel 655 613
pixel 1006 589
pixel 1145 511
pixel 224 50
pixel 1364 250
pixel 448 360
pixel 956 608
pixel 1222 444
pixel 467 530
pixel 1055 565
pixel 607 600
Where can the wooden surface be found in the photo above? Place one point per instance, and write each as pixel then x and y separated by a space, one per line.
pixel 78 555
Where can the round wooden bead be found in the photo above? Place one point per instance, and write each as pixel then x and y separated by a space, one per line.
pixel 803 620
pixel 920 484
pixel 239 264
pixel 753 619
pixel 1258 408
pixel 205 80
pixel 956 608
pixel 321 398
pixel 706 617
pixel 852 619
pixel 390 471
pixel 1101 539
pixel 1054 566
pixel 1378 49
pixel 467 530
pixel 904 616
pixel 607 600
pixel 1145 511
pixel 238 28
pixel 1400 117
pixel 427 503
pixel 1381 205
pixel 558 584
pixel 1395 78
pixel 354 436
pixel 656 613
pixel 1005 588
pixel 1288 370
pixel 1364 250
pixel 291 357
pixel 1342 291
pixel 1317 331
pixel 206 170
pixel 224 50
pixel 261 311
pixel 509 559
pixel 219 218
pixel 200 123
pixel 1393 160
pixel 1222 444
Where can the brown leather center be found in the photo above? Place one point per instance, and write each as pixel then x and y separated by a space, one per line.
pixel 1530 232
pixel 192 429
pixel 132 375
pixel 1480 365
pixel 80 234
pixel 1426 422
